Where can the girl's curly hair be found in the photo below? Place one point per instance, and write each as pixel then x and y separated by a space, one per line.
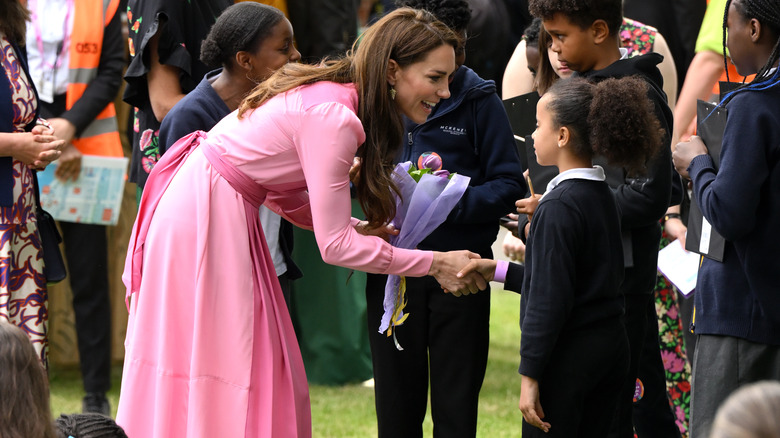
pixel 613 118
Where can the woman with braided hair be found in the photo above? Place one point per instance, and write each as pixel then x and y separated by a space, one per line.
pixel 737 307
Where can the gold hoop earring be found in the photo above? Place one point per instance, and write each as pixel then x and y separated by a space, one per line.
pixel 392 93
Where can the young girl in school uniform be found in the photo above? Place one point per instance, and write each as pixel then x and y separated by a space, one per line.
pixel 574 350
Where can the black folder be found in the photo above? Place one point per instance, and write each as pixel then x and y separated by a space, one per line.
pixel 522 116
pixel 702 238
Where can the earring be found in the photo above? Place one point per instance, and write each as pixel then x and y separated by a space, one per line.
pixel 560 144
pixel 392 92
pixel 251 79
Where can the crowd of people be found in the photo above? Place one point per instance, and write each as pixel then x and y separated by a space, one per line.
pixel 252 117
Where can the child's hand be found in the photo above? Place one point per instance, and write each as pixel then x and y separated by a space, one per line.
pixel 528 205
pixel 676 230
pixel 446 267
pixel 529 404
pixel 685 152
pixel 514 248
pixel 509 222
pixel 484 267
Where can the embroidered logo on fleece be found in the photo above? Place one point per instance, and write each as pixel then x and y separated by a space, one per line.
pixel 452 130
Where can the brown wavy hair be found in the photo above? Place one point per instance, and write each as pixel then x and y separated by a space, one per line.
pixel 13 20
pixel 24 387
pixel 613 118
pixel 405 36
pixel 545 74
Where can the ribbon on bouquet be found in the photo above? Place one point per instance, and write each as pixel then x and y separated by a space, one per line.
pixel 427 197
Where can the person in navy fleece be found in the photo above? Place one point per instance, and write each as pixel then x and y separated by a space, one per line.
pixel 571 308
pixel 737 301
pixel 446 338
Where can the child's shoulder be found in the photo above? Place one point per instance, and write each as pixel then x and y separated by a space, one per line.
pixel 756 101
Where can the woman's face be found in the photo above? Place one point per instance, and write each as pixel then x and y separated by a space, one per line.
pixel 276 50
pixel 421 86
pixel 546 134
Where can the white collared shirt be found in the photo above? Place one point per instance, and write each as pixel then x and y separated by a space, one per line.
pixel 595 173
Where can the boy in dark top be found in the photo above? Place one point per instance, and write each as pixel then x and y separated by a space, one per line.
pixel 585 36
pixel 737 318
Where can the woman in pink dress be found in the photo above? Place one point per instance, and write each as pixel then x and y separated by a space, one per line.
pixel 210 349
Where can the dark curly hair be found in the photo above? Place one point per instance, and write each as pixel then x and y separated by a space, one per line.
pixel 89 425
pixel 456 14
pixel 612 118
pixel 241 27
pixel 581 12
pixel 531 33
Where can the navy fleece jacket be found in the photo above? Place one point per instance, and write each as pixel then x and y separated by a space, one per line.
pixel 471 133
pixel 740 297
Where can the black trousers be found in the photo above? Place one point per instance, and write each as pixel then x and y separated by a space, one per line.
pixel 581 383
pixel 652 413
pixel 445 334
pixel 87 254
pixel 656 417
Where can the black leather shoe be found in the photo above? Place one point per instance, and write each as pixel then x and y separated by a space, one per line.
pixel 96 402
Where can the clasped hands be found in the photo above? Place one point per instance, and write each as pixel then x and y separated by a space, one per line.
pixel 39 147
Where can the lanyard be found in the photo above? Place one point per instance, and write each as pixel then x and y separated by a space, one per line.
pixel 65 36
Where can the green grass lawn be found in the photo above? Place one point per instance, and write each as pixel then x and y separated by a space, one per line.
pixel 348 411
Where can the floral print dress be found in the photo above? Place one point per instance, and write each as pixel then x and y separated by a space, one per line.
pixel 180 28
pixel 23 295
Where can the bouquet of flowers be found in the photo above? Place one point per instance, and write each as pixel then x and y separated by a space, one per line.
pixel 428 195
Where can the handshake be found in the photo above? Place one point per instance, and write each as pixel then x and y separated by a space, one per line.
pixel 462 272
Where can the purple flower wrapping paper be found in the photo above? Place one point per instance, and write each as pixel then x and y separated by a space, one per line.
pixel 423 206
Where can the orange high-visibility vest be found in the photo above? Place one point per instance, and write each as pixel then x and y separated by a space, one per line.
pixel 101 136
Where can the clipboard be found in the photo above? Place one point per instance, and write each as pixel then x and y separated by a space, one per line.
pixel 702 238
pixel 521 111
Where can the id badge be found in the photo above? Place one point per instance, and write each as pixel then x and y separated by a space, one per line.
pixel 46 86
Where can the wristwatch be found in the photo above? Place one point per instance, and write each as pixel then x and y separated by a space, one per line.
pixel 672 216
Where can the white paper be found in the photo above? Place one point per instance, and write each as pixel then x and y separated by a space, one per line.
pixel 679 266
pixel 706 235
pixel 94 198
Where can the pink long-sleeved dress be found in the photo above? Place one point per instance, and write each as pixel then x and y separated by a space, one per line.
pixel 210 349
